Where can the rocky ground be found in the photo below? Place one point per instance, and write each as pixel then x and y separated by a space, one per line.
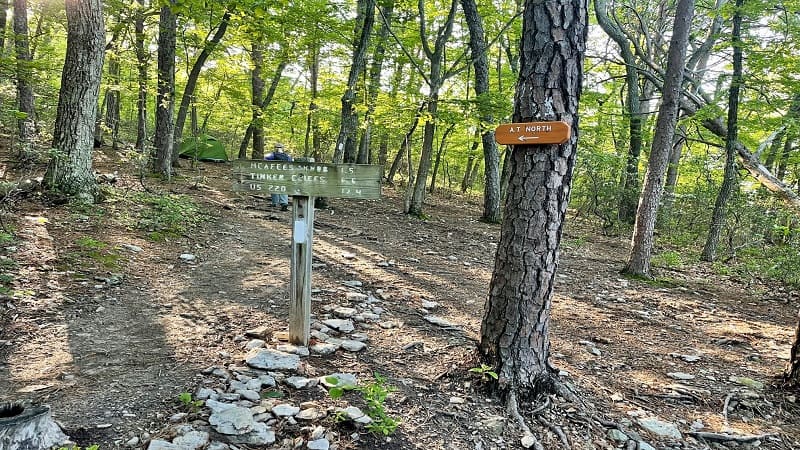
pixel 180 342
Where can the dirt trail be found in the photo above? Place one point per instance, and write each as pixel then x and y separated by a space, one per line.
pixel 110 350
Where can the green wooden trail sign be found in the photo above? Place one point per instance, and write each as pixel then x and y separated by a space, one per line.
pixel 308 179
pixel 304 181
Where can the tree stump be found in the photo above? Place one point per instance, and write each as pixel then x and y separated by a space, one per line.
pixel 24 427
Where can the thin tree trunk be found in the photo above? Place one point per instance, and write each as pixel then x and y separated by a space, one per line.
pixel 165 101
pixel 3 24
pixel 729 180
pixel 672 169
pixel 257 57
pixel 633 113
pixel 276 79
pixel 435 80
pixel 514 331
pixel 404 147
pixel 375 70
pixel 112 99
pixel 194 75
pixel 639 259
pixel 311 143
pixel 25 125
pixel 142 61
pixel 491 156
pixel 439 154
pixel 70 170
pixel 346 148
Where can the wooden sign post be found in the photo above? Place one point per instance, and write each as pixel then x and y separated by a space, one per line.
pixel 304 181
pixel 532 133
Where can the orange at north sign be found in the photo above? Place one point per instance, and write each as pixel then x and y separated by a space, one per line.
pixel 532 133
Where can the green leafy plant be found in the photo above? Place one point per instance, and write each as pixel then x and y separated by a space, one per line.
pixel 669 259
pixel 374 395
pixel 189 403
pixel 167 216
pixel 99 251
pixel 485 372
pixel 91 447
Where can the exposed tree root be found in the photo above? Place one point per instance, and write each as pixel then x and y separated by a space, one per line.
pixel 513 410
pixel 722 437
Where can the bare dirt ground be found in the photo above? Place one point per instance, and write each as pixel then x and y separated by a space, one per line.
pixel 110 339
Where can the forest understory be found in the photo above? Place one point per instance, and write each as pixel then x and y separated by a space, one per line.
pixel 109 316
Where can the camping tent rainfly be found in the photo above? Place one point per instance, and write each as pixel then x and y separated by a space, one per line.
pixel 203 147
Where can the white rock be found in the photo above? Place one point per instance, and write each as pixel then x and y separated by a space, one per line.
pixel 341 325
pixel 440 321
pixel 356 296
pixel 193 439
pixel 353 412
pixel 266 359
pixel 294 349
pixel 339 380
pixel 285 410
pixel 352 283
pixel 310 414
pixel 233 421
pixel 204 394
pixel 254 343
pixel 344 312
pixel 247 394
pixel 319 444
pixel 187 257
pixel 680 376
pixel 353 345
pixel 528 441
pixel 298 382
pixel 427 304
pixel 324 348
pixel 659 427
pixel 157 444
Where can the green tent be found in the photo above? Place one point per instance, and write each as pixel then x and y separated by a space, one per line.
pixel 204 148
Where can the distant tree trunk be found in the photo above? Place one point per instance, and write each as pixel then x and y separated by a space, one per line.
pixel 672 169
pixel 514 331
pixel 276 79
pixel 729 180
pixel 383 150
pixel 405 146
pixel 3 24
pixel 346 150
pixel 491 156
pixel 439 155
pixel 792 374
pixel 639 258
pixel 194 75
pixel 465 183
pixel 311 145
pixel 165 100
pixel 25 125
pixel 70 170
pixel 435 79
pixel 257 57
pixel 633 113
pixel 112 99
pixel 142 61
pixel 375 70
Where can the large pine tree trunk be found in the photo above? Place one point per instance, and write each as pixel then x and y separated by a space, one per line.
pixel 25 103
pixel 729 180
pixel 165 100
pixel 491 156
pixel 346 144
pixel 514 331
pixel 639 259
pixel 70 170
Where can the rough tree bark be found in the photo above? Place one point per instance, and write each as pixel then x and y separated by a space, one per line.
pixel 70 169
pixel 346 144
pixel 3 20
pixel 165 100
pixel 514 331
pixel 650 198
pixel 792 374
pixel 491 156
pixel 730 177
